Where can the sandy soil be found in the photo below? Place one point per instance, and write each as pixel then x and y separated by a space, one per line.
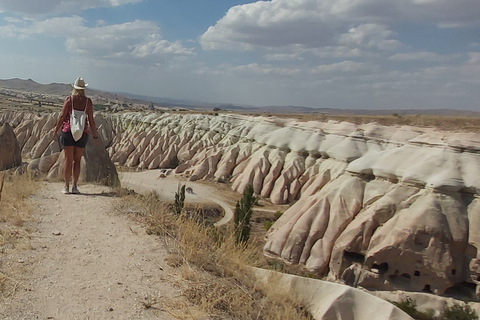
pixel 86 262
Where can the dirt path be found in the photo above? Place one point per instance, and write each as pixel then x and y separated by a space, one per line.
pixel 87 262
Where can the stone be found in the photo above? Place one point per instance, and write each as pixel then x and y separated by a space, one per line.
pixel 95 166
pixel 10 153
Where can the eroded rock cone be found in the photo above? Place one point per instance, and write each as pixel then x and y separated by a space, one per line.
pixel 96 166
pixel 10 154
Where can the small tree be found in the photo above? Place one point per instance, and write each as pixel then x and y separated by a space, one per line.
pixel 242 215
pixel 179 200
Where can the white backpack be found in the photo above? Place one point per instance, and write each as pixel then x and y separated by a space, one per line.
pixel 77 121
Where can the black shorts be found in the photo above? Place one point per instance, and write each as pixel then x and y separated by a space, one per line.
pixel 67 140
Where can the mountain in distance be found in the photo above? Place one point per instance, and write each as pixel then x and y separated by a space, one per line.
pixel 62 90
pixel 189 104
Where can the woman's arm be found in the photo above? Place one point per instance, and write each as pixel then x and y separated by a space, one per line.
pixel 91 120
pixel 62 117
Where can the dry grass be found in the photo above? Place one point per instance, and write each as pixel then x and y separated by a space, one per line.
pixel 14 209
pixel 15 212
pixel 215 270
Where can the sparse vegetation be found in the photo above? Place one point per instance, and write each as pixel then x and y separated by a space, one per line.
pixel 267 224
pixel 14 213
pixel 215 269
pixel 99 107
pixel 458 312
pixel 453 312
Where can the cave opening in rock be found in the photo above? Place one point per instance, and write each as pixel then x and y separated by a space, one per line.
pixel 382 268
pixel 464 290
pixel 416 273
pixel 353 256
pixel 427 288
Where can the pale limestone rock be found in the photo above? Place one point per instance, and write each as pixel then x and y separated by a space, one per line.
pixel 43 164
pixel 253 173
pixel 305 233
pixel 276 158
pixel 29 145
pixel 396 171
pixel 170 160
pixel 23 132
pixel 53 147
pixel 227 164
pixel 431 234
pixel 381 200
pixel 326 300
pixel 42 144
pixel 283 190
pixel 207 167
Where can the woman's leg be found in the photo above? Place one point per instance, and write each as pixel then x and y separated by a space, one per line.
pixel 77 157
pixel 67 168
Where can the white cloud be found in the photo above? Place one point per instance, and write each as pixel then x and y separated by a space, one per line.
pixel 137 40
pixel 370 36
pixel 420 56
pixel 269 24
pixel 283 57
pixel 344 66
pixel 320 23
pixel 264 69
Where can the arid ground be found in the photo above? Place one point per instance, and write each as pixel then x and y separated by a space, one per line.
pixel 84 261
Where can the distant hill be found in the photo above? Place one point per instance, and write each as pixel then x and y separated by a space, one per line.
pixel 32 86
pixel 62 90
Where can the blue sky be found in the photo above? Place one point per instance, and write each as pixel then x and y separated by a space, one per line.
pixel 354 54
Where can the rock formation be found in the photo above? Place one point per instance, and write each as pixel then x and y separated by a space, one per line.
pixel 34 140
pixel 379 207
pixel 326 300
pixel 10 155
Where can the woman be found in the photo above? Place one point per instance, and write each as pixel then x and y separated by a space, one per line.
pixel 74 149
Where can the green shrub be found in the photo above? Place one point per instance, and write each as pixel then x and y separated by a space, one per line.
pixel 458 312
pixel 409 306
pixel 454 312
pixel 242 215
pixel 267 224
pixel 277 215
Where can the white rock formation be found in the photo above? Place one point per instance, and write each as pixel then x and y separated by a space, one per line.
pixel 380 207
pixel 326 300
pixel 35 141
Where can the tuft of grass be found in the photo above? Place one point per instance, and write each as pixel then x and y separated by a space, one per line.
pixel 215 269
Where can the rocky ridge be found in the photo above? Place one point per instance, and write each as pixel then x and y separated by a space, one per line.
pixel 374 206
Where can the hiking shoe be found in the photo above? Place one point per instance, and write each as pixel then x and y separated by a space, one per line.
pixel 75 190
pixel 65 190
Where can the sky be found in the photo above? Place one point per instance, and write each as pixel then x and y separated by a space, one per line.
pixel 345 54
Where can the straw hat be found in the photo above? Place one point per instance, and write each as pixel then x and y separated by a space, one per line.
pixel 80 84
